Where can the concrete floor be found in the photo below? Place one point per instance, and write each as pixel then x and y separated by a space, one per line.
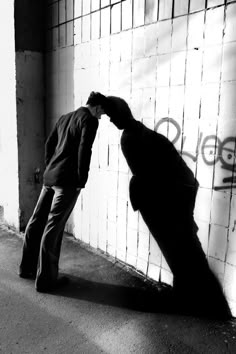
pixel 105 309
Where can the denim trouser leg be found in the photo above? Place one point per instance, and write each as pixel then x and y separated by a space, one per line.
pixel 63 202
pixel 34 231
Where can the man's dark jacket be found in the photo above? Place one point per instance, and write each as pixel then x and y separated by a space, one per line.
pixel 68 149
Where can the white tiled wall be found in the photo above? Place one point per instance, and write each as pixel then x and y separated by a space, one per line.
pixel 171 59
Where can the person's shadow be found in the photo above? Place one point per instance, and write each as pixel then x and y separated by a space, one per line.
pixel 142 298
pixel 139 297
pixel 163 188
pixel 169 214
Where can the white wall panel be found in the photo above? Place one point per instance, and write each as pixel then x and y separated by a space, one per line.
pixel 167 64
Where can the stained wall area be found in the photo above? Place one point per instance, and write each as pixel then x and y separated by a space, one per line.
pixel 22 109
pixel 174 63
pixel 29 61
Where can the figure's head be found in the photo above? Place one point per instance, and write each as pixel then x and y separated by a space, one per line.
pixel 96 102
pixel 118 111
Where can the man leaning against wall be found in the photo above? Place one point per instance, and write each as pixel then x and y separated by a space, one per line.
pixel 67 156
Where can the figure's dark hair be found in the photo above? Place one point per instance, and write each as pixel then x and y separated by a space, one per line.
pixel 117 106
pixel 96 98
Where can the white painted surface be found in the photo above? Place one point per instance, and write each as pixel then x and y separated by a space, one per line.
pixel 182 69
pixel 9 195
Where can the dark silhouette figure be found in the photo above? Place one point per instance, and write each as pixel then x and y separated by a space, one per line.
pixel 164 190
pixel 67 156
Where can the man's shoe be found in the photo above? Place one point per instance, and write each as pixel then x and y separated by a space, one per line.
pixel 27 275
pixel 58 284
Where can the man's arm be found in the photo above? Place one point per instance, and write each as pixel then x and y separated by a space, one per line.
pixel 88 133
pixel 50 145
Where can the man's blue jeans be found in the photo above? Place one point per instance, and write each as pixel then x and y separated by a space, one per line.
pixel 44 232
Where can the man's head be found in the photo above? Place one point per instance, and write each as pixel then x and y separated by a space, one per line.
pixel 96 102
pixel 118 111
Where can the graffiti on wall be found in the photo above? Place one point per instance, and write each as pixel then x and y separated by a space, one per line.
pixel 212 149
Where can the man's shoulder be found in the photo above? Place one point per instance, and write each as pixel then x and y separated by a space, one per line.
pixel 86 119
pixel 81 112
pixel 75 118
pixel 68 115
pixel 81 115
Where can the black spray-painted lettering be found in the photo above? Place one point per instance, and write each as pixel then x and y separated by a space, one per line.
pixel 213 151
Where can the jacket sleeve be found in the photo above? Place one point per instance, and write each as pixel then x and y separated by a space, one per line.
pixel 88 133
pixel 50 145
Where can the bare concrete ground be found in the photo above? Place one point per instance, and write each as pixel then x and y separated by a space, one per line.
pixel 105 309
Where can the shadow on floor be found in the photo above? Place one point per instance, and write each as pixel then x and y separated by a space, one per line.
pixel 145 299
pixel 151 299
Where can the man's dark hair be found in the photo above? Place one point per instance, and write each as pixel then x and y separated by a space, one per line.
pixel 96 98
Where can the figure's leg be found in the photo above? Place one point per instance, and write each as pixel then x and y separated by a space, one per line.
pixel 159 226
pixel 62 205
pixel 33 233
pixel 172 225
